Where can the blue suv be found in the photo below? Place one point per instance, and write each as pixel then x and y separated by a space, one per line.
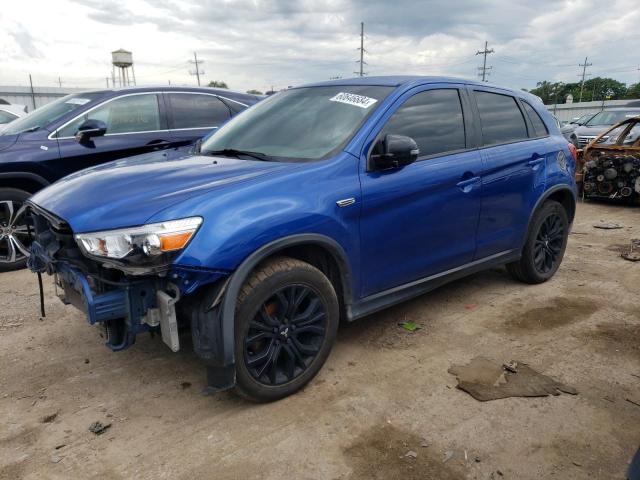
pixel 89 128
pixel 322 203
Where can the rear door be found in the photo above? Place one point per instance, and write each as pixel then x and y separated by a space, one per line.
pixel 192 115
pixel 135 124
pixel 514 169
pixel 421 219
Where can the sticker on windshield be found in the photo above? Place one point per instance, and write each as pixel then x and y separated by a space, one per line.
pixel 78 101
pixel 353 99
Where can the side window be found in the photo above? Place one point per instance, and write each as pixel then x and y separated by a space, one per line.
pixel 6 117
pixel 501 118
pixel 129 114
pixel 197 111
pixel 539 128
pixel 433 119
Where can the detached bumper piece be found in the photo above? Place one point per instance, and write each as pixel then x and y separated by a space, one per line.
pixel 124 308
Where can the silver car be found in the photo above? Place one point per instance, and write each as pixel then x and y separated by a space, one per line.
pixel 601 122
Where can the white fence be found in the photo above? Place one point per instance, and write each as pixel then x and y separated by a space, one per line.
pixel 567 111
pixel 40 95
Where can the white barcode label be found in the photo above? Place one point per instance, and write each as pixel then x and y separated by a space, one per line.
pixel 353 99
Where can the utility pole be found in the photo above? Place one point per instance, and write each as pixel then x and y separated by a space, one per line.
pixel 362 50
pixel 59 82
pixel 484 69
pixel 197 63
pixel 107 79
pixel 33 95
pixel 584 74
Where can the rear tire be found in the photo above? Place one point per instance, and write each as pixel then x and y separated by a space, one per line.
pixel 286 322
pixel 545 245
pixel 14 238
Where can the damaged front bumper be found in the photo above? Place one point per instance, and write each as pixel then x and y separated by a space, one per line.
pixel 125 305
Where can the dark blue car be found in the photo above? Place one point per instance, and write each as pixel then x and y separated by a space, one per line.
pixel 322 203
pixel 90 128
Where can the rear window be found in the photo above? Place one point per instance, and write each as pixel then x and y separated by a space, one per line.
pixel 501 118
pixel 192 110
pixel 539 128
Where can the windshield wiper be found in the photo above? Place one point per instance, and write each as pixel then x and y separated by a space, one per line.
pixel 232 152
pixel 32 129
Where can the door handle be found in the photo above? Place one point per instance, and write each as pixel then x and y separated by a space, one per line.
pixel 159 143
pixel 467 184
pixel 535 160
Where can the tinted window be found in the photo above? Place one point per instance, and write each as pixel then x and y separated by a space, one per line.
pixel 433 119
pixel 300 124
pixel 129 114
pixel 539 128
pixel 6 117
pixel 197 111
pixel 501 118
pixel 49 113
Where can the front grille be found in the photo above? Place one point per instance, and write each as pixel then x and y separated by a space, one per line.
pixel 584 140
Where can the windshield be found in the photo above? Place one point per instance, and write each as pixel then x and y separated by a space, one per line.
pixel 612 117
pixel 299 124
pixel 43 116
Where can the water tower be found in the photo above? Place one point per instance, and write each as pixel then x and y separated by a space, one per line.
pixel 123 61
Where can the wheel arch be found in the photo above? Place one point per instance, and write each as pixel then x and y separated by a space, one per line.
pixel 559 193
pixel 319 250
pixel 27 181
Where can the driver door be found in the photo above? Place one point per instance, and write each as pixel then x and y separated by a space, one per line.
pixel 136 124
pixel 421 219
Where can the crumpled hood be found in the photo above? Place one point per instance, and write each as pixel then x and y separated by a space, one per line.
pixel 128 192
pixel 6 140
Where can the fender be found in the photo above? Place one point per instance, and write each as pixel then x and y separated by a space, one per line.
pixel 545 196
pixel 28 175
pixel 221 370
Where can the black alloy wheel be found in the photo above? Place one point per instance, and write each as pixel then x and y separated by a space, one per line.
pixel 544 245
pixel 286 320
pixel 548 243
pixel 285 335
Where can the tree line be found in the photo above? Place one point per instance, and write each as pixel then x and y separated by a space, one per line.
pixel 595 89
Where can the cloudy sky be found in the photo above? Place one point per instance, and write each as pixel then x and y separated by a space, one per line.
pixel 257 44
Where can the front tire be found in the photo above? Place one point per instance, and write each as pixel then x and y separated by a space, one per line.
pixel 545 245
pixel 286 321
pixel 14 235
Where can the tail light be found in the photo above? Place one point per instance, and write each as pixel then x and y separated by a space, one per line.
pixel 574 152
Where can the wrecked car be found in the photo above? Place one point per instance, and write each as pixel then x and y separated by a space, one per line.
pixel 611 163
pixel 321 203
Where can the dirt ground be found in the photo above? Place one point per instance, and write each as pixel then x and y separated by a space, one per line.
pixel 383 393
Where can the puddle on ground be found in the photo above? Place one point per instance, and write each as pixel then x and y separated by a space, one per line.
pixel 380 453
pixel 557 312
pixel 611 338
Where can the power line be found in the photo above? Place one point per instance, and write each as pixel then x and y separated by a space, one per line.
pixel 584 74
pixel 483 69
pixel 362 50
pixel 197 63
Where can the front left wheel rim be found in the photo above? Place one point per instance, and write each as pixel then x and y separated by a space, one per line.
pixel 285 335
pixel 548 245
pixel 14 233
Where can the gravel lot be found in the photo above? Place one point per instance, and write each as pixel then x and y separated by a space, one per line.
pixel 383 393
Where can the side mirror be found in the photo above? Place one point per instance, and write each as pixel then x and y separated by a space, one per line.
pixel 394 151
pixel 89 129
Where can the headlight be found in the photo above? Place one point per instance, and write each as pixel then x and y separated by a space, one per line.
pixel 150 240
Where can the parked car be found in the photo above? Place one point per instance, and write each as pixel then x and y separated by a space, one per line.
pixel 601 122
pixel 90 128
pixel 569 129
pixel 324 202
pixel 8 113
